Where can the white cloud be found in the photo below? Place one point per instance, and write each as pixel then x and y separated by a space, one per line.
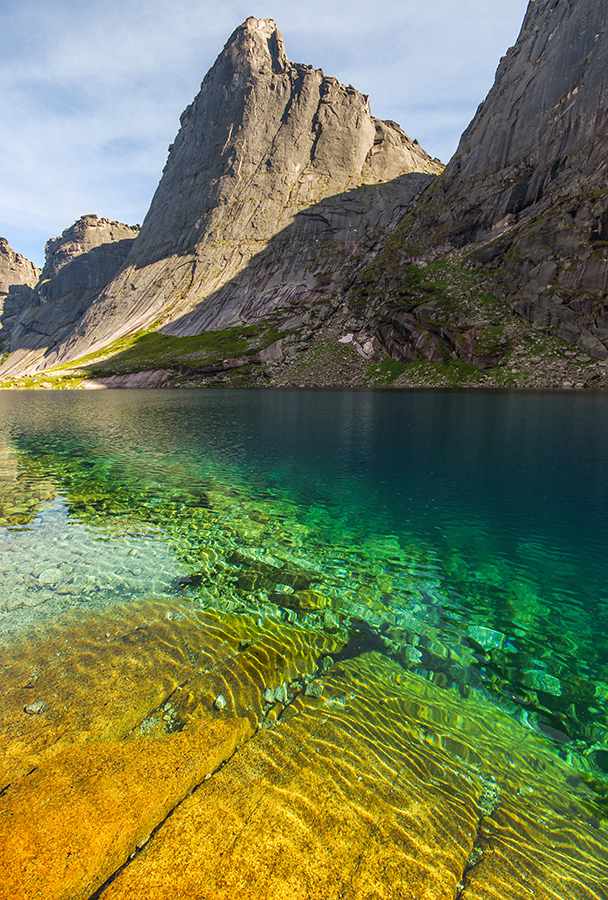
pixel 91 93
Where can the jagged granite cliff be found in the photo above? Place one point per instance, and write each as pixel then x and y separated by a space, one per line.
pixel 295 239
pixel 17 278
pixel 521 210
pixel 79 264
pixel 274 179
pixel 15 269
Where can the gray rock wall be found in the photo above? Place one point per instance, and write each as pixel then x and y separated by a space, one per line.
pixel 79 264
pixel 86 255
pixel 549 101
pixel 264 141
pixel 17 278
pixel 283 199
pixel 548 104
pixel 15 269
pixel 526 194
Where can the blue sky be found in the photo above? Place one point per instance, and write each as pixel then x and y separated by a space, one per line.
pixel 91 93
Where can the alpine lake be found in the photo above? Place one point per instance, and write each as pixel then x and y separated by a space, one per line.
pixel 303 644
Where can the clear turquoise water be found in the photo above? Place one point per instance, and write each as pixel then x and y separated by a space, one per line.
pixel 462 533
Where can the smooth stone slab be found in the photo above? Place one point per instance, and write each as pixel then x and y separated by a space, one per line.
pixel 387 787
pixel 66 827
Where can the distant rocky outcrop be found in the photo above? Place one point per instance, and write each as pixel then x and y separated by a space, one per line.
pixel 79 264
pixel 86 255
pixel 17 278
pixel 274 162
pixel 15 269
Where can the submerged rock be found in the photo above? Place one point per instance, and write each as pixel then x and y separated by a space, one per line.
pixel 486 637
pixel 50 576
pixel 280 694
pixel 314 689
pixel 363 798
pixel 539 680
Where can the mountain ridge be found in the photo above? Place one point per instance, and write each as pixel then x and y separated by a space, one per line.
pixel 286 210
pixel 263 141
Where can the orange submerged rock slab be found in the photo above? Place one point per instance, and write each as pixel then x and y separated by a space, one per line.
pixel 329 804
pixel 72 823
pixel 353 779
pixel 386 787
pixel 103 677
pixel 108 721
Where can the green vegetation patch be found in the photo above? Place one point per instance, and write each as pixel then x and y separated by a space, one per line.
pixel 50 379
pixel 148 351
pixel 431 373
pixel 384 373
pixel 326 363
pixel 452 373
pixel 164 351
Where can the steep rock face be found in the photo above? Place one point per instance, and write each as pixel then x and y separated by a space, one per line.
pixel 543 115
pixel 526 195
pixel 264 144
pixel 79 264
pixel 86 255
pixel 17 278
pixel 15 269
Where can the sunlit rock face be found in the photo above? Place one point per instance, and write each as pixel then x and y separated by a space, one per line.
pixel 17 278
pixel 79 264
pixel 269 167
pixel 526 193
pixel 15 269
pixel 100 245
pixel 285 206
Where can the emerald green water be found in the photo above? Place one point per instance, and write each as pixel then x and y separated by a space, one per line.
pixel 463 534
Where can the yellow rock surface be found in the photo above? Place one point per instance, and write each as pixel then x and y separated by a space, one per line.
pixel 542 846
pixel 103 677
pixel 378 784
pixel 70 824
pixel 386 787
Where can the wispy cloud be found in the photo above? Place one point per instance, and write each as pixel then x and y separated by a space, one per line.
pixel 91 93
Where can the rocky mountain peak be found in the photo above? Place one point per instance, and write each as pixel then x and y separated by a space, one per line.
pixel 79 264
pixel 257 42
pixel 264 141
pixel 18 277
pixel 529 179
pixel 86 233
pixel 286 207
pixel 15 269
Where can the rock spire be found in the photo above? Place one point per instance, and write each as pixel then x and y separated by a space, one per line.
pixel 264 141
